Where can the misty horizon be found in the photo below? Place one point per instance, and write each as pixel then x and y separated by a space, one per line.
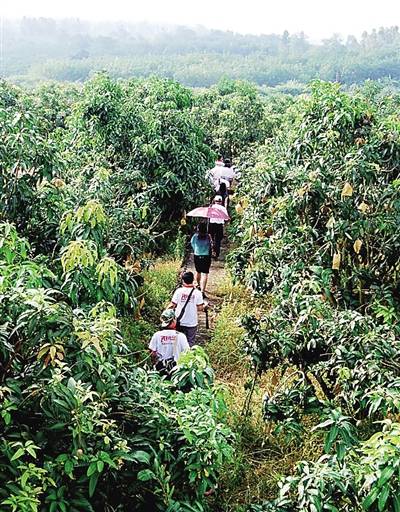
pixel 36 49
pixel 109 27
pixel 317 19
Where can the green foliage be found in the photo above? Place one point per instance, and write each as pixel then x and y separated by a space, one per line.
pixel 232 115
pixel 193 370
pixel 366 480
pixel 30 161
pixel 89 192
pixel 313 235
pixel 143 156
pixel 316 232
pixel 342 433
pixel 376 470
pixel 287 405
pixel 179 246
pixel 160 281
pixel 76 368
pixel 328 203
pixel 86 193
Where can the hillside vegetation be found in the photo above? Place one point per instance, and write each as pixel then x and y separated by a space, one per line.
pixel 318 234
pixel 94 185
pixel 38 49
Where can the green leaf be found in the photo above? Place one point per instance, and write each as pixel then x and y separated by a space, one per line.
pixel 31 451
pixel 370 499
pixel 106 458
pixel 82 503
pixel 324 424
pixel 396 503
pixel 331 438
pixel 24 478
pixel 57 426
pixel 68 467
pixel 93 483
pixel 386 475
pixel 141 456
pixel 92 469
pixel 17 454
pixel 145 475
pixel 383 498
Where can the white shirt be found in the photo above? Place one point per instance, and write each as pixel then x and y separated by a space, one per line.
pixel 168 344
pixel 219 207
pixel 227 175
pixel 179 298
pixel 215 174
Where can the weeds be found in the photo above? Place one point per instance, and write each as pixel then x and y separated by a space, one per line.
pixel 261 459
pixel 159 284
pixel 155 294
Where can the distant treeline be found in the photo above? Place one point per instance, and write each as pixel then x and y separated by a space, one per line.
pixel 36 49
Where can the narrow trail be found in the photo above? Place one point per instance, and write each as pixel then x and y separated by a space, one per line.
pixel 217 274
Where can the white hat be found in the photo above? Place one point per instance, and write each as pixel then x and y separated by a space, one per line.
pixel 217 198
pixel 167 317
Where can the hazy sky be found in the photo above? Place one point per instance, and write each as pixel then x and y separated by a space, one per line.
pixel 317 18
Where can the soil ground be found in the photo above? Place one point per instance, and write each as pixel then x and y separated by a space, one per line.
pixel 216 275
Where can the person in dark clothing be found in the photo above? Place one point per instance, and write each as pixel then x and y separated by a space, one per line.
pixel 223 192
pixel 216 227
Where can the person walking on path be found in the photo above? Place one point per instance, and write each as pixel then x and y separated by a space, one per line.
pixel 223 192
pixel 166 345
pixel 216 227
pixel 227 174
pixel 187 301
pixel 214 174
pixel 202 249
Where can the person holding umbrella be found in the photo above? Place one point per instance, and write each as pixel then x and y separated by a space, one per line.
pixel 202 249
pixel 216 225
pixel 217 215
pixel 214 211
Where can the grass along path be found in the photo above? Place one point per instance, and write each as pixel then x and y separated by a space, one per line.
pixel 261 458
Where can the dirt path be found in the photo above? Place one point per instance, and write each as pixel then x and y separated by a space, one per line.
pixel 217 274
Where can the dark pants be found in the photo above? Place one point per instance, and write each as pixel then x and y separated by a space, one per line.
pixel 217 233
pixel 190 333
pixel 165 367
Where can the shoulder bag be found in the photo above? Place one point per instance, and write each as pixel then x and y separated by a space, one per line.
pixel 178 320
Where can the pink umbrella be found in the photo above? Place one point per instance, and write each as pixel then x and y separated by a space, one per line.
pixel 209 212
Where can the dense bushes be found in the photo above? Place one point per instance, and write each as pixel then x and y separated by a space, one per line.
pixel 317 230
pixel 232 116
pixel 365 480
pixel 85 198
pixel 90 194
